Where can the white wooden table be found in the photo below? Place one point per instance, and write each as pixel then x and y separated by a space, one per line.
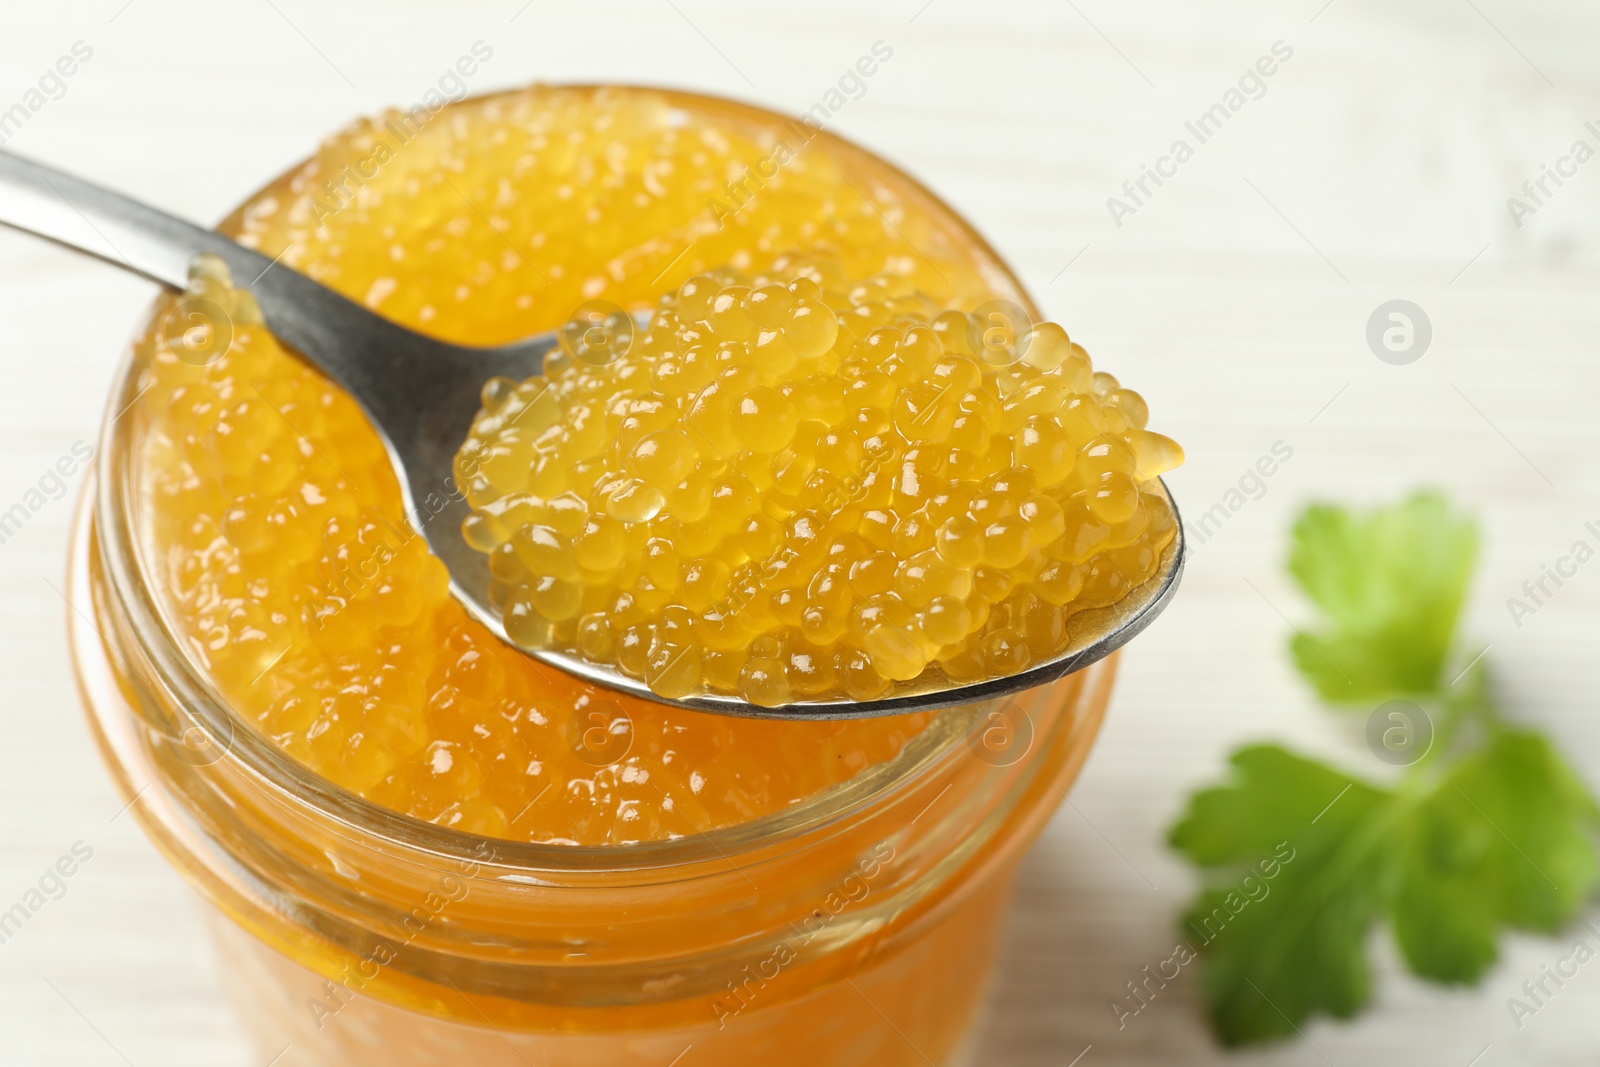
pixel 1376 166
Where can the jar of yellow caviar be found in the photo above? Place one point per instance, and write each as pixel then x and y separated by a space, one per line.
pixel 857 927
pixel 423 847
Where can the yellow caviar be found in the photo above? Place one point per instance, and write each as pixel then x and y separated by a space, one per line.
pixel 794 485
pixel 273 525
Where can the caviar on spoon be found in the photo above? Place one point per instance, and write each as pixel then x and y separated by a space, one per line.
pixel 924 560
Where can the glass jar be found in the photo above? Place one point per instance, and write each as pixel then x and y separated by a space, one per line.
pixel 856 927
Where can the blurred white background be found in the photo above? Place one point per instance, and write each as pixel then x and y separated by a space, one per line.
pixel 1376 166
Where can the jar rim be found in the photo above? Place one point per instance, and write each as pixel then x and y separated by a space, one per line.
pixel 128 571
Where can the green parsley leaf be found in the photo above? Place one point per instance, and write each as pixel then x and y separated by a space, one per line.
pixel 1391 583
pixel 1505 838
pixel 1490 830
pixel 1300 861
pixel 1284 939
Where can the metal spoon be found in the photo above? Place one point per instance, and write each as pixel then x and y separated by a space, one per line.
pixel 422 394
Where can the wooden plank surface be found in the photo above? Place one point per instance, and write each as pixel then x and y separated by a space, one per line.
pixel 1374 165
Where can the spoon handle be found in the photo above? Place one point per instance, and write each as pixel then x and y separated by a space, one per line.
pixel 118 229
pixel 354 346
pixel 419 392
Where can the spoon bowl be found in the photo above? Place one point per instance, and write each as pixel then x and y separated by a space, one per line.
pixel 422 394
